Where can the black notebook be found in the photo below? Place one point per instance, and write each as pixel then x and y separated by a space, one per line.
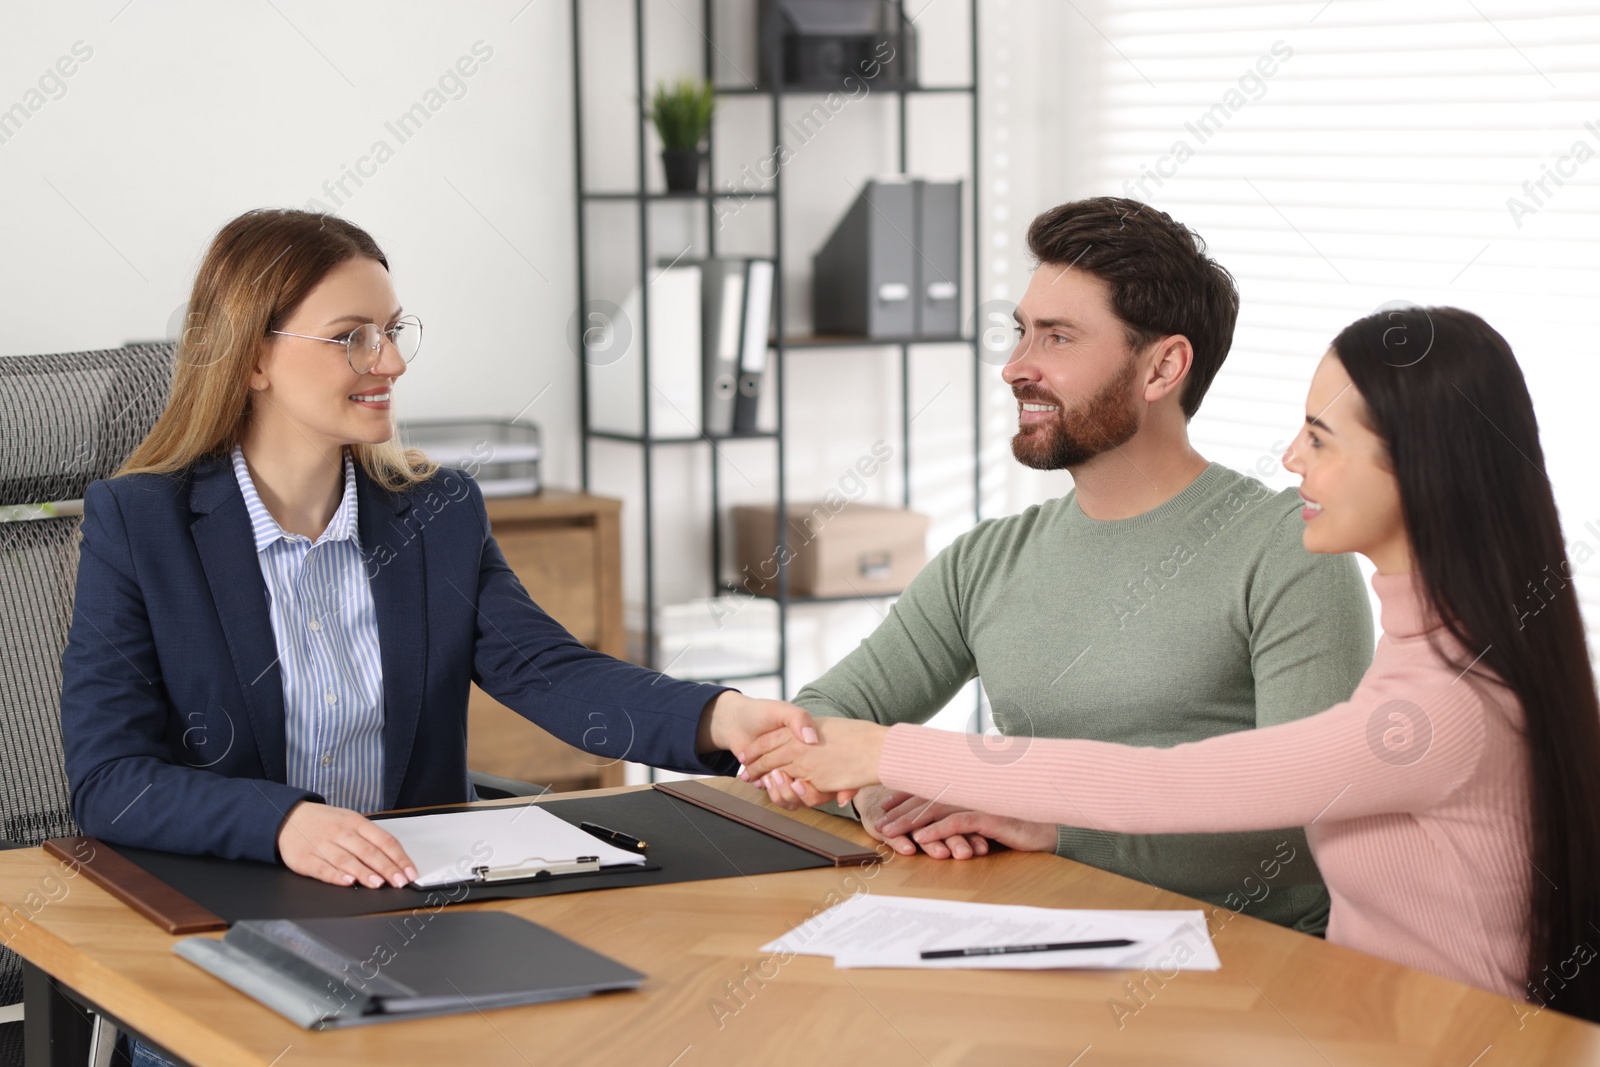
pixel 325 973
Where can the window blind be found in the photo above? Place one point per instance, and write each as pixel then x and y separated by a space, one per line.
pixel 1338 156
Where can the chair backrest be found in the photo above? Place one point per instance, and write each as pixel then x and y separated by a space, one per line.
pixel 65 421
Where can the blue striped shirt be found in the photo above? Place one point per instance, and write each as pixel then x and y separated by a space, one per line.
pixel 327 636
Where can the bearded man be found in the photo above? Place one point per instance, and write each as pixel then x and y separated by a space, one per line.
pixel 1165 599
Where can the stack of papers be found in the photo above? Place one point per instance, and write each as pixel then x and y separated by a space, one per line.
pixel 882 931
pixel 452 847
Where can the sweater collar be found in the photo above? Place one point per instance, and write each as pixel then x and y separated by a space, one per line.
pixel 1404 608
pixel 1204 484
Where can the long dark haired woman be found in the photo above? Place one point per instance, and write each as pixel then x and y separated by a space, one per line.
pixel 1453 803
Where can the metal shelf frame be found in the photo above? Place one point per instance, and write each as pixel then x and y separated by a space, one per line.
pixel 782 342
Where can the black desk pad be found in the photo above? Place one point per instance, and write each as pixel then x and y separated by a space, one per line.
pixel 687 844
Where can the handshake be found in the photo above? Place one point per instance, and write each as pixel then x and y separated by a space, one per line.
pixel 804 764
pixel 794 772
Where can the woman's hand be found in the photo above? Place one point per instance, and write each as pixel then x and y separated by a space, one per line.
pixel 952 824
pixel 343 847
pixel 732 721
pixel 844 761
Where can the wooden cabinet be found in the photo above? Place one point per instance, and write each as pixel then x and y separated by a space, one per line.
pixel 566 548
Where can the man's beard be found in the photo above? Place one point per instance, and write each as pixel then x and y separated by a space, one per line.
pixel 1106 421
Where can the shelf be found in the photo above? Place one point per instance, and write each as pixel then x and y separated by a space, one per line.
pixel 631 186
pixel 797 90
pixel 720 194
pixel 812 340
pixel 637 439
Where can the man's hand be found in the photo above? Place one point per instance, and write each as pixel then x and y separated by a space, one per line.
pixel 1019 834
pixel 878 806
pixel 343 847
pixel 846 760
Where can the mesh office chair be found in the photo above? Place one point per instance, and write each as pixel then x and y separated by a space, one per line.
pixel 65 420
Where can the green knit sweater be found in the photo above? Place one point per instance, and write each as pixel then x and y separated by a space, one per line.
pixel 1203 616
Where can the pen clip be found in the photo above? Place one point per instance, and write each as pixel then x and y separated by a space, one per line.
pixel 537 867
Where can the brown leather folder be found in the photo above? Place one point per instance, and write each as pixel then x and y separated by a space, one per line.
pixel 836 850
pixel 134 886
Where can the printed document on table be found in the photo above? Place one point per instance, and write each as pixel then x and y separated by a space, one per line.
pixel 881 931
pixel 446 848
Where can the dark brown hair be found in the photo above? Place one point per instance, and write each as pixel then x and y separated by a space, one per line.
pixel 1162 282
pixel 1445 393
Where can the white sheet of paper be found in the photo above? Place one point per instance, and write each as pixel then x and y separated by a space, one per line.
pixel 446 848
pixel 884 931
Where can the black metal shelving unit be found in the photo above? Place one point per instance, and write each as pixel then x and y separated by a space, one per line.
pixel 782 342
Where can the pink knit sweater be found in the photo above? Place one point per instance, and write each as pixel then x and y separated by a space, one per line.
pixel 1414 796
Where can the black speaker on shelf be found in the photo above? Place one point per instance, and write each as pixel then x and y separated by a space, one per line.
pixel 818 45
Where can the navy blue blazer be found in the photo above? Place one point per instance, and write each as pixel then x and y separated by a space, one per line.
pixel 172 705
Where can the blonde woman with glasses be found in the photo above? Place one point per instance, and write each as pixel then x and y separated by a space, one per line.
pixel 280 611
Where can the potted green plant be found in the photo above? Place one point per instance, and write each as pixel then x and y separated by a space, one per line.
pixel 682 117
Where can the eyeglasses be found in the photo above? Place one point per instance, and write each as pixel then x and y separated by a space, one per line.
pixel 363 346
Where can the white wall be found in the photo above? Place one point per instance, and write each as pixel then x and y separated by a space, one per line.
pixel 186 113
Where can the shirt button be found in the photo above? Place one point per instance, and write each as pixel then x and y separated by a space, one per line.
pixel 314 625
pixel 327 758
pixel 329 697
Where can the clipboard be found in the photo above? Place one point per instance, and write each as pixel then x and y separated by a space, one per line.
pixel 501 846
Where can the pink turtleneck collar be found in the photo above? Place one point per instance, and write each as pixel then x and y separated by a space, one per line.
pixel 1405 611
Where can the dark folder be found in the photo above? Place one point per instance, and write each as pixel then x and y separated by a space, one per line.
pixel 938 241
pixel 864 278
pixel 892 266
pixel 326 973
pixel 835 850
pixel 695 831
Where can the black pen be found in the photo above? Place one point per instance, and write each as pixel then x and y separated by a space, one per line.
pixel 615 837
pixel 1006 950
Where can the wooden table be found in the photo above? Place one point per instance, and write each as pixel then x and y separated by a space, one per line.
pixel 712 997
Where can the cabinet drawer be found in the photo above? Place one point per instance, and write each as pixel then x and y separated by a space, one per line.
pixel 499 741
pixel 564 548
pixel 557 565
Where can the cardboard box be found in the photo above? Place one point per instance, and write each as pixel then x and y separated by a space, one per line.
pixel 858 549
